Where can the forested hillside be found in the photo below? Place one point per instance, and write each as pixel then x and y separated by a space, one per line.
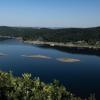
pixel 55 35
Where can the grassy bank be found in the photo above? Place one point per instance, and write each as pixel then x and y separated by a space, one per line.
pixel 28 88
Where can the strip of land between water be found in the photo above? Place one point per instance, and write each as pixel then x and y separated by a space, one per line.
pixel 68 44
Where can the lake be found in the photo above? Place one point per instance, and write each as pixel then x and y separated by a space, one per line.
pixel 81 78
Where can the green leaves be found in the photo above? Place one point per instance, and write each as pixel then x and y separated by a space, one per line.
pixel 26 88
pixel 26 76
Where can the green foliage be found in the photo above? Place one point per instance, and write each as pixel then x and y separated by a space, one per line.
pixel 90 35
pixel 26 88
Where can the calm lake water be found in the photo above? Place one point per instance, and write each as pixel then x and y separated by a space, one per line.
pixel 82 78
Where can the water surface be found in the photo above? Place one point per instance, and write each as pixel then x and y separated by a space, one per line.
pixel 82 78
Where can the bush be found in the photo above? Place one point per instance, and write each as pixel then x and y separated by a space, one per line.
pixel 27 88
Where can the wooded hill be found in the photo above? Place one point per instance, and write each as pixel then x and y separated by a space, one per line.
pixel 90 35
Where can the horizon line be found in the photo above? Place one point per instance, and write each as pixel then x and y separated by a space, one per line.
pixel 45 26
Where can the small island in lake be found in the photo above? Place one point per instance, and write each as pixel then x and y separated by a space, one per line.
pixel 37 56
pixel 2 54
pixel 47 57
pixel 67 60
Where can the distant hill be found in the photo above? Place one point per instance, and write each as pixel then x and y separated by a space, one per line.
pixel 53 34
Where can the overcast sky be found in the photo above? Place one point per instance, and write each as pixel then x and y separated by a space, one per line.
pixel 50 13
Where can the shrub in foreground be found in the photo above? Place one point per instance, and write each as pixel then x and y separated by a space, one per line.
pixel 27 88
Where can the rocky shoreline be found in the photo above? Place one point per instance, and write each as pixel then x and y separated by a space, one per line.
pixel 69 44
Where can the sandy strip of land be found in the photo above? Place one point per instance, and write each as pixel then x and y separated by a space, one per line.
pixel 37 56
pixel 69 44
pixel 67 60
pixel 46 57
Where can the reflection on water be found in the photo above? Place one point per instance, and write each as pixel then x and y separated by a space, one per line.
pixel 82 77
pixel 73 50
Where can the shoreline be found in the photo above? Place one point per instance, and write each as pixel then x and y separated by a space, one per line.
pixel 77 44
pixel 68 44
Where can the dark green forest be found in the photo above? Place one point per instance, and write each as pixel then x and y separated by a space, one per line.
pixel 90 35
